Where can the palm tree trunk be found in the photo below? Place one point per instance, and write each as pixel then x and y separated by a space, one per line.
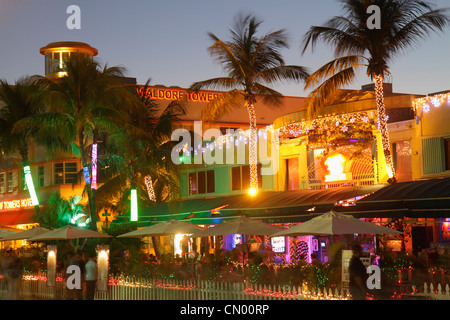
pixel 91 196
pixel 252 149
pixel 379 96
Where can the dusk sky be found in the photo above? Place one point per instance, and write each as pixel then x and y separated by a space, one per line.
pixel 167 40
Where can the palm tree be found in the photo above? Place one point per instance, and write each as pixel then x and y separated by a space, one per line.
pixel 138 157
pixel 17 102
pixel 141 148
pixel 251 63
pixel 403 24
pixel 85 101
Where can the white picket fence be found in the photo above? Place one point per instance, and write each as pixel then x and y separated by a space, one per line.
pixel 130 288
pixel 133 288
pixel 430 292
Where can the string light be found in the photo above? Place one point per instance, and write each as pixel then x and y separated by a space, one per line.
pixel 252 150
pixel 149 184
pixel 382 122
pixel 436 100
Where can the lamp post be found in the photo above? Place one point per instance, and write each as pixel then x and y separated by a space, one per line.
pixel 51 265
pixel 102 267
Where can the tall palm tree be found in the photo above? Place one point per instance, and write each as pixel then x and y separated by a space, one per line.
pixel 88 99
pixel 252 63
pixel 403 24
pixel 17 102
pixel 141 148
pixel 137 158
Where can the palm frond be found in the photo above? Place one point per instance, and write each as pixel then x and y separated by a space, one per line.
pixel 222 105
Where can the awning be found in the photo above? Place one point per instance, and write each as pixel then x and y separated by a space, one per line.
pixel 270 206
pixel 17 217
pixel 415 199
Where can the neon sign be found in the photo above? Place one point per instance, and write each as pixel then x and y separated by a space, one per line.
pixel 30 185
pixel 94 166
pixel 237 240
pixel 134 205
pixel 16 204
pixel 278 244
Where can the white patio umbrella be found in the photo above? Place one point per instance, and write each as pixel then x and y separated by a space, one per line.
pixel 332 223
pixel 170 227
pixel 241 225
pixel 25 235
pixel 69 232
pixel 5 233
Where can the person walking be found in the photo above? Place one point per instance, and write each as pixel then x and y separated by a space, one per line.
pixel 358 275
pixel 15 272
pixel 91 277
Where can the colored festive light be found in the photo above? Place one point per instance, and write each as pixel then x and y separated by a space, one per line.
pixel 30 185
pixel 134 205
pixel 94 166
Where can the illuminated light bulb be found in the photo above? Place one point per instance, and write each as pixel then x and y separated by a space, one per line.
pixel 436 102
pixel 426 108
pixel 252 191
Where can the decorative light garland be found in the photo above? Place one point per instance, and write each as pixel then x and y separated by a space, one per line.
pixel 436 101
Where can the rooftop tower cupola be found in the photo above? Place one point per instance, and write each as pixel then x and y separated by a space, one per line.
pixel 57 52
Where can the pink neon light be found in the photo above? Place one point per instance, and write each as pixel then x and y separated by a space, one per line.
pixel 94 166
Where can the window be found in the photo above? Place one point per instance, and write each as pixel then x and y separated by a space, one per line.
pixel 240 177
pixel 2 182
pixel 41 180
pixel 65 173
pixel 10 182
pixel 202 182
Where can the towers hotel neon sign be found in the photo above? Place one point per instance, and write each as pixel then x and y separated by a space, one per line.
pixel 177 94
pixel 16 204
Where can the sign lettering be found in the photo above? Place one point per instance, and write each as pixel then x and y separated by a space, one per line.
pixel 15 204
pixel 176 94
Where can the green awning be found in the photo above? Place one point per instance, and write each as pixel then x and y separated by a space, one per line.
pixel 414 199
pixel 270 206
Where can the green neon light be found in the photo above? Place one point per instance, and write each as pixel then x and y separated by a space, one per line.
pixel 134 206
pixel 30 185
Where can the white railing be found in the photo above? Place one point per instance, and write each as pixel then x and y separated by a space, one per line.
pixel 130 288
pixel 430 292
pixel 133 288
